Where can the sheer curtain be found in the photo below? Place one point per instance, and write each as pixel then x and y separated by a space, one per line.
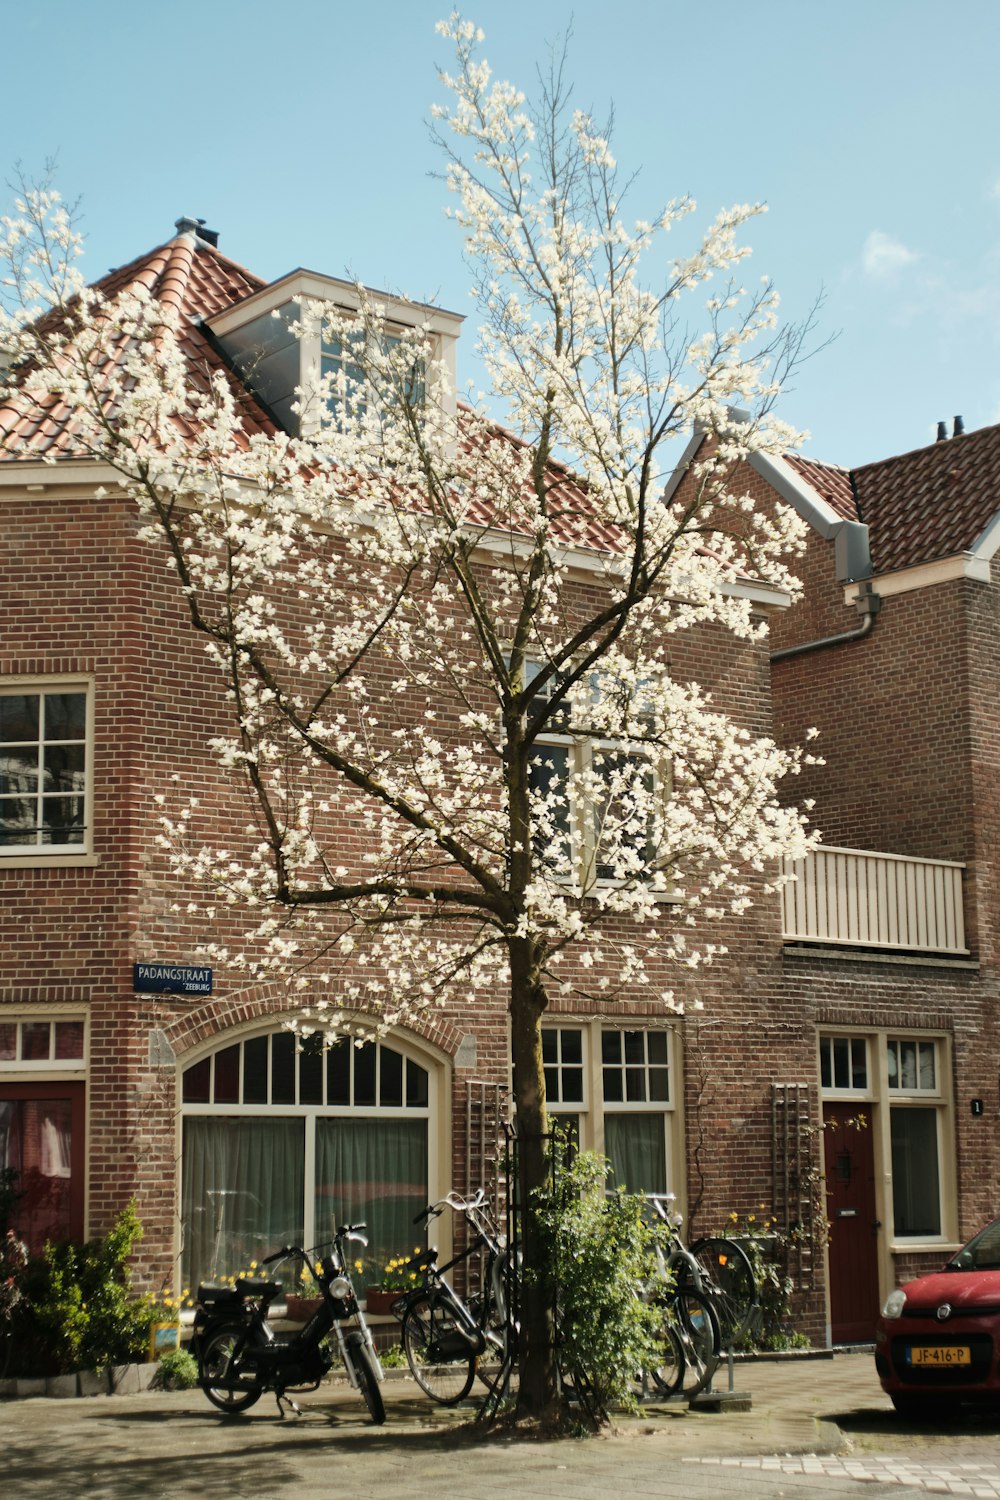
pixel 243 1193
pixel 372 1172
pixel 635 1147
pixel 35 1142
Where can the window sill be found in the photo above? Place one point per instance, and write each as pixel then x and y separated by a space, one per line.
pixel 924 1247
pixel 48 861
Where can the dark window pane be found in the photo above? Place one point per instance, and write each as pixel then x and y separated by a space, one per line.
pixel 825 1075
pixel 227 1076
pixel 552 1085
pixel 282 1068
pixel 18 770
pixel 62 820
pixel 860 1065
pixel 611 1046
pixel 656 1046
pixel 659 1085
pixel 550 1048
pixel 390 1077
pixel 18 717
pixel 65 716
pixel 338 1073
pixel 255 1070
pixel 17 820
pixel 35 1041
pixel 635 1084
pixel 364 1074
pixel 572 1046
pixel 311 1071
pixel 69 1039
pixel 196 1082
pixel 634 1049
pixel 613 1085
pixel 572 1085
pixel 916 1194
pixel 64 769
pixel 8 1040
pixel 416 1085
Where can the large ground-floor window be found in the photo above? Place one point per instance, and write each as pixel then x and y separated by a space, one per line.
pixel 282 1144
pixel 612 1087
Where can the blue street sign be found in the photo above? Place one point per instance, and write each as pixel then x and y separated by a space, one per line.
pixel 171 979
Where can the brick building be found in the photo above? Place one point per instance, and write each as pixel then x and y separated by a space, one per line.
pixel 116 1081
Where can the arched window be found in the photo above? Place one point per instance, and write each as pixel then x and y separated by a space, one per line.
pixel 283 1141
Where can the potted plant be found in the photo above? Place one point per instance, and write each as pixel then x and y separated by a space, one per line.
pixel 305 1299
pixel 399 1275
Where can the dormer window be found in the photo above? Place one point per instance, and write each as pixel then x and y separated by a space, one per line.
pixel 257 337
pixel 340 367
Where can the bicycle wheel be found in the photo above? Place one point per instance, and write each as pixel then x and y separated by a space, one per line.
pixel 367 1374
pixel 735 1299
pixel 668 1374
pixel 697 1327
pixel 220 1373
pixel 440 1362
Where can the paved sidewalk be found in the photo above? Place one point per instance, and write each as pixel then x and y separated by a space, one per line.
pixel 176 1445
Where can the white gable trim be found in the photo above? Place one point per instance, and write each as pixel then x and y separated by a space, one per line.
pixel 926 575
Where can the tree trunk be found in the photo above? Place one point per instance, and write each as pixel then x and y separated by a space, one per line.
pixel 538 1394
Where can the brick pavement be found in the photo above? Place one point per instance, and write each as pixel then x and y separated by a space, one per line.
pixel 816 1427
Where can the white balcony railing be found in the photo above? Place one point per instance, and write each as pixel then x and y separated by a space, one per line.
pixel 852 897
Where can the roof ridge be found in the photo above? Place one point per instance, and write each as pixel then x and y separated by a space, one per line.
pixel 171 262
pixel 939 445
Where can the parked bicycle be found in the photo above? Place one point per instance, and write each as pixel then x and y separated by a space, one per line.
pixel 447 1340
pixel 240 1356
pixel 709 1298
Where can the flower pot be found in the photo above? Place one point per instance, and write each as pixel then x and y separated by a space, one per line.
pixel 379 1301
pixel 300 1309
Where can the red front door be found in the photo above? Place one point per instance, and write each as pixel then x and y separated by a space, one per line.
pixel 850 1198
pixel 41 1144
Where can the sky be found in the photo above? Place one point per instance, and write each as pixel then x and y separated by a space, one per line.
pixel 298 131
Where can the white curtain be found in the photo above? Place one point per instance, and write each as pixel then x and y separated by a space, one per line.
pixel 634 1145
pixel 372 1172
pixel 242 1193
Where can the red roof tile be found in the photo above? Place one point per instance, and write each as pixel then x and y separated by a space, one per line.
pixel 198 281
pixel 932 503
pixel 829 481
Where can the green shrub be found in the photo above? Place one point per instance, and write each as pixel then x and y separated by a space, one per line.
pixel 178 1370
pixel 597 1250
pixel 77 1309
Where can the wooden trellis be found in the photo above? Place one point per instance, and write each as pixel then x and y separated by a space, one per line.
pixel 794 1173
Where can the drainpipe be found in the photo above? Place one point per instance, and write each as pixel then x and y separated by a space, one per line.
pixel 868 604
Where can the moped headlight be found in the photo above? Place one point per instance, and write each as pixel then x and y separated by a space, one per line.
pixel 340 1288
pixel 894 1304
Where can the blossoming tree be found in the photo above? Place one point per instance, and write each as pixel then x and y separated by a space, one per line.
pixel 453 641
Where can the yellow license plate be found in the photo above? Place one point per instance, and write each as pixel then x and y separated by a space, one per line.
pixel 940 1354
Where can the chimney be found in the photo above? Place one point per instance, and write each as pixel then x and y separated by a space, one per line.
pixel 197 228
pixel 958 428
pixel 942 431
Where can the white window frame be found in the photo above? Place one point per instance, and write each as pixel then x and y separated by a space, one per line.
pixel 595 1109
pixel 39 855
pixel 584 752
pixel 884 1097
pixel 833 1090
pixel 434 1113
pixel 53 1067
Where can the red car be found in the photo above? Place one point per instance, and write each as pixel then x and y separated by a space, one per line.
pixel 937 1340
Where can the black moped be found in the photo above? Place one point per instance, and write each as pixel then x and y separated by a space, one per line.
pixel 240 1356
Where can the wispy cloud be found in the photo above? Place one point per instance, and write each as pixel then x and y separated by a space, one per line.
pixel 885 256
